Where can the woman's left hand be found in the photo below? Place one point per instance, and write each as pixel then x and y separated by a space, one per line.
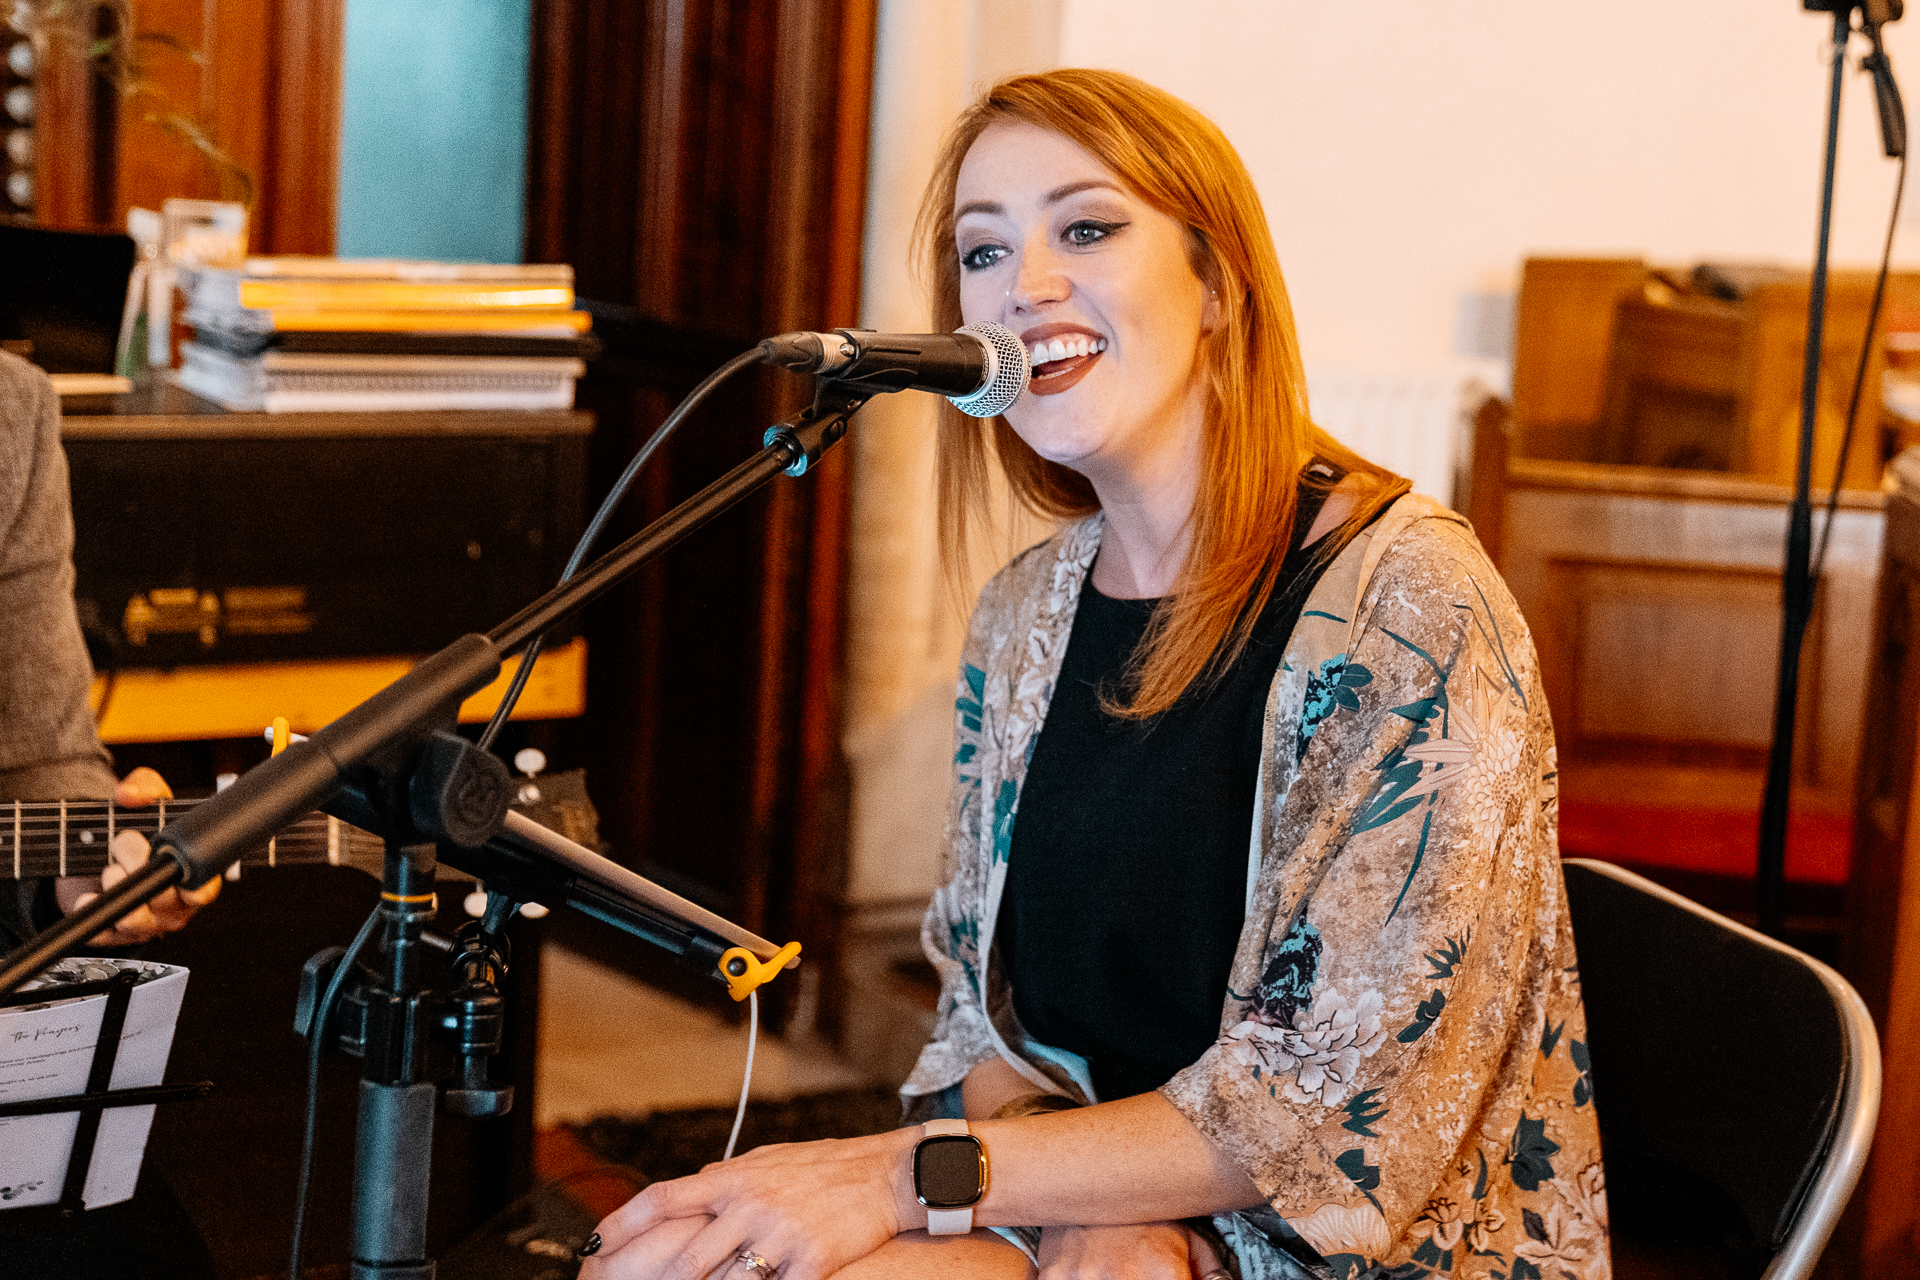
pixel 646 1255
pixel 808 1208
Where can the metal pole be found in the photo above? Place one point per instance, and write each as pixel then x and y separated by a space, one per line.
pixel 1796 586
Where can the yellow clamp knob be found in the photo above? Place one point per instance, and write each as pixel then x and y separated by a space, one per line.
pixel 282 734
pixel 745 971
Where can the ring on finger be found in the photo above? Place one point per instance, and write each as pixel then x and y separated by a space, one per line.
pixel 756 1264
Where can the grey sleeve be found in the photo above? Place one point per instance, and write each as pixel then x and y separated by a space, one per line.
pixel 48 746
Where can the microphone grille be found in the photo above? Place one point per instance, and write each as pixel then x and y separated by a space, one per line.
pixel 1007 371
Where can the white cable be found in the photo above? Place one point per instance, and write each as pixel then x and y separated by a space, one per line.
pixel 753 1037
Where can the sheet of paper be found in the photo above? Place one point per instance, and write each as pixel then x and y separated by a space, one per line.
pixel 46 1051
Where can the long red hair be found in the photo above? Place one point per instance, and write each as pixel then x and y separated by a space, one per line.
pixel 1258 433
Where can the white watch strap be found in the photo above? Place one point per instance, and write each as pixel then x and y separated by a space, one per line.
pixel 948 1222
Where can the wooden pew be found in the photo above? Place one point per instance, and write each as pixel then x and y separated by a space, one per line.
pixel 1618 363
pixel 1562 334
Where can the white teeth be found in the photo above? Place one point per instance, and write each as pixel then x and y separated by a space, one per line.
pixel 1064 349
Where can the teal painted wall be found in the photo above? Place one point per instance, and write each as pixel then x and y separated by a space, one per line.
pixel 433 129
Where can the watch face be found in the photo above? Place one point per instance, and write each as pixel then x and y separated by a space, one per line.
pixel 948 1171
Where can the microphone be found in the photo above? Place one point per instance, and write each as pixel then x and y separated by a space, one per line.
pixel 982 368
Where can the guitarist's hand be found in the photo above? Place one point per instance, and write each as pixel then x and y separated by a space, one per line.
pixel 166 913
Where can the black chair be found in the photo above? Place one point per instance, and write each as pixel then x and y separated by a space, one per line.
pixel 1737 1081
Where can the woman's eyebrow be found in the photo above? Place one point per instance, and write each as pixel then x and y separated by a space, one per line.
pixel 1058 194
pixel 994 207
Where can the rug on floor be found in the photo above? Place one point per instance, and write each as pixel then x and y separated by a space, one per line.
pixel 673 1144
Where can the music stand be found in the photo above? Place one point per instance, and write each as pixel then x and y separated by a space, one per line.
pixel 98 1097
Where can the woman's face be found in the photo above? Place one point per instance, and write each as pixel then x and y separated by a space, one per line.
pixel 1099 287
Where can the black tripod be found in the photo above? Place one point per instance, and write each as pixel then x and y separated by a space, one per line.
pixel 1799 583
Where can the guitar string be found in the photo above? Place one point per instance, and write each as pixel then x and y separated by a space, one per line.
pixel 58 837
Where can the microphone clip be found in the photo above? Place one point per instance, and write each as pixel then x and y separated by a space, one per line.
pixel 821 425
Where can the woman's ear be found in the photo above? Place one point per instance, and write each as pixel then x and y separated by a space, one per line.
pixel 1212 312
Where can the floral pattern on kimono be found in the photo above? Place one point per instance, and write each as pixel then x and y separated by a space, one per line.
pixel 1401 1067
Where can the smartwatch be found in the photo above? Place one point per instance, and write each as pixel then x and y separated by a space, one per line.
pixel 949 1176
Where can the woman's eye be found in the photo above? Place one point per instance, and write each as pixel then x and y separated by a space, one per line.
pixel 982 255
pixel 1088 231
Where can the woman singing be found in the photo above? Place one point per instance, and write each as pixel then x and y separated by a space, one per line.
pixel 1254 950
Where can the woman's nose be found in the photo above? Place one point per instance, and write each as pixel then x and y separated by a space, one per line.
pixel 1040 280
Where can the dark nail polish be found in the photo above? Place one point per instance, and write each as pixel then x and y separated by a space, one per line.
pixel 591 1247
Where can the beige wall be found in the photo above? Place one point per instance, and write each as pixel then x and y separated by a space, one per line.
pixel 1412 152
pixel 1410 155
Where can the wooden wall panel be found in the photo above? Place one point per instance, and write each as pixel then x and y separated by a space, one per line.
pixel 223 95
pixel 260 79
pixel 701 163
pixel 69 141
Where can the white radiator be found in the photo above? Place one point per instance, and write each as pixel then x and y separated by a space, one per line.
pixel 1418 424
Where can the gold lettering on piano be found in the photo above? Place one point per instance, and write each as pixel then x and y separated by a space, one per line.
pixel 172 611
pixel 238 611
pixel 266 611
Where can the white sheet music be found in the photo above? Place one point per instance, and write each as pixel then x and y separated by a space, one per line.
pixel 46 1051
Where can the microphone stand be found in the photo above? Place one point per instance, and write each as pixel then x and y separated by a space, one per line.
pixel 1797 584
pixel 392 767
pixel 383 736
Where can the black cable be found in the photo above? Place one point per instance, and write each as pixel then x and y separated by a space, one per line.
pixel 605 513
pixel 316 1042
pixel 1859 379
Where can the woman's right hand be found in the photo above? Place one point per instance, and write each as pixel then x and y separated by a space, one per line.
pixel 1148 1251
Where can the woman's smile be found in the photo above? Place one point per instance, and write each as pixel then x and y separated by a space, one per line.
pixel 1061 355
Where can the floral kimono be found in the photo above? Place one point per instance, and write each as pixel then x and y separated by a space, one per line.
pixel 1402 1062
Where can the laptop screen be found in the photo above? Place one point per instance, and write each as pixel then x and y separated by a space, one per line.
pixel 62 294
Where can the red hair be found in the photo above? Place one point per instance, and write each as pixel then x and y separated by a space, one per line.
pixel 1258 436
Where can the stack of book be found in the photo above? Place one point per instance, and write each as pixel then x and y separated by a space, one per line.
pixel 300 334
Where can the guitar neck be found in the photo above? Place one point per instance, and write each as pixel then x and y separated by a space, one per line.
pixel 70 837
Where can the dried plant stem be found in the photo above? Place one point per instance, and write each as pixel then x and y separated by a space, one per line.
pixel 74 28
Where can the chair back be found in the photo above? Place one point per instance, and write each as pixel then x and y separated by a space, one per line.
pixel 1737 1079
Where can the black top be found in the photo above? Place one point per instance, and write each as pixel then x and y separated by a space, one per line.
pixel 1127 878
